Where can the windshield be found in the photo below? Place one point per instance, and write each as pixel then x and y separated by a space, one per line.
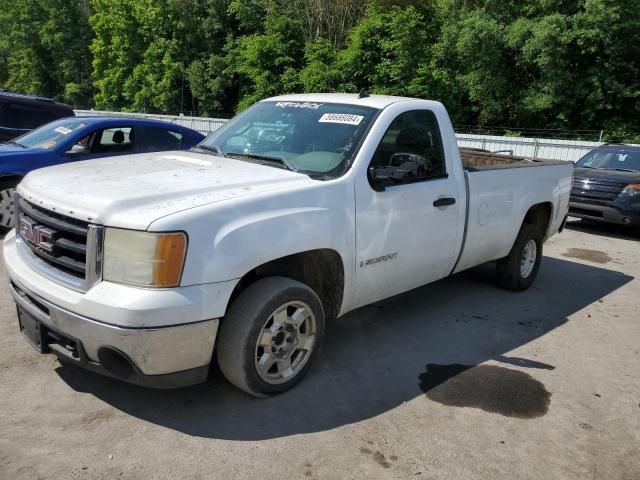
pixel 611 160
pixel 50 135
pixel 313 138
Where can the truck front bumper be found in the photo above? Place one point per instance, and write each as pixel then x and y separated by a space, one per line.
pixel 110 328
pixel 124 353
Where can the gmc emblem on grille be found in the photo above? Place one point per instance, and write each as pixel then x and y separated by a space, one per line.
pixel 37 235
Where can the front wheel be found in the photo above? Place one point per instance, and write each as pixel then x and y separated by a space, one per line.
pixel 518 270
pixel 7 206
pixel 270 336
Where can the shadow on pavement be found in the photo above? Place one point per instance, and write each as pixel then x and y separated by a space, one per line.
pixel 372 358
pixel 604 229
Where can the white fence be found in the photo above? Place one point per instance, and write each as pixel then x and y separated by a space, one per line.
pixel 201 124
pixel 540 148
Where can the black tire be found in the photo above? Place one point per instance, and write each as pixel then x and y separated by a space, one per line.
pixel 510 275
pixel 7 208
pixel 237 344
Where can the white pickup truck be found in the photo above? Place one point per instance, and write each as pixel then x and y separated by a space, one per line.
pixel 300 209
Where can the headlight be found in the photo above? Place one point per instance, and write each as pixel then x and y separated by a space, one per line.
pixel 632 189
pixel 144 258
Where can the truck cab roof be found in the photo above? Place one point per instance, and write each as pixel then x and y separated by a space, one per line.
pixel 373 101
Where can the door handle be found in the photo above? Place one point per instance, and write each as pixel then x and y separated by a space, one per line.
pixel 444 202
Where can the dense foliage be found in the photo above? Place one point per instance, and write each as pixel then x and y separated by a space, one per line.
pixel 566 64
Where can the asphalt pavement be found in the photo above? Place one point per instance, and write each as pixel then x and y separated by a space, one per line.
pixel 455 380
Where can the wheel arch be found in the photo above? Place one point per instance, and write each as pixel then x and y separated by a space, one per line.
pixel 322 270
pixel 540 215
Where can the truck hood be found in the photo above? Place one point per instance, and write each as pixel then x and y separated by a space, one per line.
pixel 132 191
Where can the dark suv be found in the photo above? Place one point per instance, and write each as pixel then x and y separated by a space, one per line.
pixel 21 113
pixel 606 186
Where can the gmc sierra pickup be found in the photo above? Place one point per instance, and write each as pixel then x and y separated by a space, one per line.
pixel 298 210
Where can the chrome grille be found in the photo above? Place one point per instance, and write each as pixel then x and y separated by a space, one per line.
pixel 71 247
pixel 594 192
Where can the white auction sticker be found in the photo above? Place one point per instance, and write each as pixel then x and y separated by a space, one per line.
pixel 63 130
pixel 344 118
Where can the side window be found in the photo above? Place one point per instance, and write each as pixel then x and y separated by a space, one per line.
pixel 3 116
pixel 114 140
pixel 25 117
pixel 155 139
pixel 47 116
pixel 411 149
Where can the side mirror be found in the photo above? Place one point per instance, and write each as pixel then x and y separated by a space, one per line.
pixel 379 178
pixel 403 167
pixel 77 150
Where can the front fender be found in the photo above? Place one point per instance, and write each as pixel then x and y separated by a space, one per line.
pixel 268 236
pixel 20 165
pixel 231 238
pixel 13 167
pixel 226 242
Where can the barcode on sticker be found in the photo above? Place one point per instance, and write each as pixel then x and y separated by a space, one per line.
pixel 344 118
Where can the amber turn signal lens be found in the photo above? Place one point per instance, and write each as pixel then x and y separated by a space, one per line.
pixel 170 253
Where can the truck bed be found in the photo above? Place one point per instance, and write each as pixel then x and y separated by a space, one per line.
pixel 499 193
pixel 474 160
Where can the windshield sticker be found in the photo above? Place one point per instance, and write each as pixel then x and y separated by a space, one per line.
pixel 309 105
pixel 344 118
pixel 63 130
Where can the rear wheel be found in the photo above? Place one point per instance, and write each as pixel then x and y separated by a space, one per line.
pixel 7 206
pixel 519 269
pixel 271 336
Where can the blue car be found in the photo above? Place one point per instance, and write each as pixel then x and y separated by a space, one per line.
pixel 83 138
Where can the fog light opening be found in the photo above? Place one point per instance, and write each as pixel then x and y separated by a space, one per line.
pixel 115 362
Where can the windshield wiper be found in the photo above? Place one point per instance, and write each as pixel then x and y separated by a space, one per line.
pixel 210 148
pixel 265 158
pixel 16 143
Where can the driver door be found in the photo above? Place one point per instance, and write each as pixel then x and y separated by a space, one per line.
pixel 406 237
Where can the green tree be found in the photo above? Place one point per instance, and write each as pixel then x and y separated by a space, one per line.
pixel 268 63
pixel 522 63
pixel 213 88
pixel 387 48
pixel 551 64
pixel 117 47
pixel 584 67
pixel 320 72
pixel 44 48
pixel 141 50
